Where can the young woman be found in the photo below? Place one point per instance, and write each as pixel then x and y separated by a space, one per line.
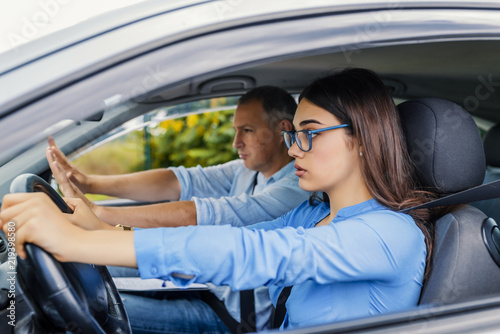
pixel 348 255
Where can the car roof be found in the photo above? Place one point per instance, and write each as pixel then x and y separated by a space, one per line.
pixel 102 19
pixel 127 32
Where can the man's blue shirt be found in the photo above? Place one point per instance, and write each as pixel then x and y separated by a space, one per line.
pixel 223 193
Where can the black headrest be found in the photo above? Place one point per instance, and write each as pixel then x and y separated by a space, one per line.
pixel 444 144
pixel 491 146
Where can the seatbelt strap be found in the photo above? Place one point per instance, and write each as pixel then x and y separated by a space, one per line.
pixel 247 312
pixel 220 309
pixel 279 312
pixel 480 193
pixel 247 298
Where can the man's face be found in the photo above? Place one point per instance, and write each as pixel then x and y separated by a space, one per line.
pixel 258 145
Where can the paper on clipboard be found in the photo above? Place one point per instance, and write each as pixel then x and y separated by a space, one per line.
pixel 138 284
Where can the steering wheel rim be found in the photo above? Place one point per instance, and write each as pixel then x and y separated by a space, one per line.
pixel 69 296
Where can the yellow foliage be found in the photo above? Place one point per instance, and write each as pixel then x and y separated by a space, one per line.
pixel 177 125
pixel 200 130
pixel 221 101
pixel 192 120
pixel 166 124
pixel 215 119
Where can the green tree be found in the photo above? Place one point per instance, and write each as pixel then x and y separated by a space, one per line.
pixel 203 139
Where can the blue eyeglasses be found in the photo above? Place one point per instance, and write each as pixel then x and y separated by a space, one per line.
pixel 303 138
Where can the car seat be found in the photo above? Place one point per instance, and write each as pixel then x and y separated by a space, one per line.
pixel 446 148
pixel 491 144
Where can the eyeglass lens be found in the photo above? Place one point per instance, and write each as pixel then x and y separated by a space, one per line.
pixel 288 139
pixel 301 137
pixel 302 140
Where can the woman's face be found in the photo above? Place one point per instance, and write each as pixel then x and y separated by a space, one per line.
pixel 332 164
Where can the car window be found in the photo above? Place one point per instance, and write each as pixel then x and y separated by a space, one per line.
pixel 188 134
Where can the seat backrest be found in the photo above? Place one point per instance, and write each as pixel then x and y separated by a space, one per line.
pixel 491 144
pixel 446 148
pixel 462 268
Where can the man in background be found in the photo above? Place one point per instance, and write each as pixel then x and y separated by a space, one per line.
pixel 260 186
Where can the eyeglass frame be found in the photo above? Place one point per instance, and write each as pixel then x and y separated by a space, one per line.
pixel 309 134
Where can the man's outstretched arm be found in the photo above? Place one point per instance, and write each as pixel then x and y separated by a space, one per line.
pixel 165 214
pixel 150 186
pixel 182 213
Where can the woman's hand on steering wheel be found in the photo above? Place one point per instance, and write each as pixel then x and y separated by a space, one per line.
pixel 38 220
pixel 64 292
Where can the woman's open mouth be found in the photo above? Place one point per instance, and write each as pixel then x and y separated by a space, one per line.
pixel 299 170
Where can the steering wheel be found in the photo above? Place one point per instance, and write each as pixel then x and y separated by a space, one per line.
pixel 73 297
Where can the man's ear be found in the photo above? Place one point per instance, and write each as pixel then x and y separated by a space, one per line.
pixel 285 125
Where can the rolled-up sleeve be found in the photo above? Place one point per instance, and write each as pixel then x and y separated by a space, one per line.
pixel 243 210
pixel 215 181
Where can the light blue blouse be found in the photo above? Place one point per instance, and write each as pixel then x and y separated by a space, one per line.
pixel 226 194
pixel 368 260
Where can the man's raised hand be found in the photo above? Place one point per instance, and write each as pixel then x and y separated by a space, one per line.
pixel 78 178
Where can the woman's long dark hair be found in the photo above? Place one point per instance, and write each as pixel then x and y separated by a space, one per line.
pixel 359 98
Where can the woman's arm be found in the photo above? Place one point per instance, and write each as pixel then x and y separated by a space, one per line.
pixel 389 248
pixel 38 220
pixel 393 251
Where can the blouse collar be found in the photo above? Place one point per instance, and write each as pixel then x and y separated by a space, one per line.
pixel 354 210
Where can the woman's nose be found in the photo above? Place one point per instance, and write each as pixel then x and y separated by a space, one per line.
pixel 294 151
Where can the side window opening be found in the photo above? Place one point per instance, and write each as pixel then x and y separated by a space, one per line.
pixel 189 134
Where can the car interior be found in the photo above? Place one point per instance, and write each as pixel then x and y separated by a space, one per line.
pixel 445 90
pixel 462 266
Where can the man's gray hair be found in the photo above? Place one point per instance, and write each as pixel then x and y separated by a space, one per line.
pixel 277 103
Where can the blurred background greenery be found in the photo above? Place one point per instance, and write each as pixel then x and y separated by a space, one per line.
pixel 202 138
